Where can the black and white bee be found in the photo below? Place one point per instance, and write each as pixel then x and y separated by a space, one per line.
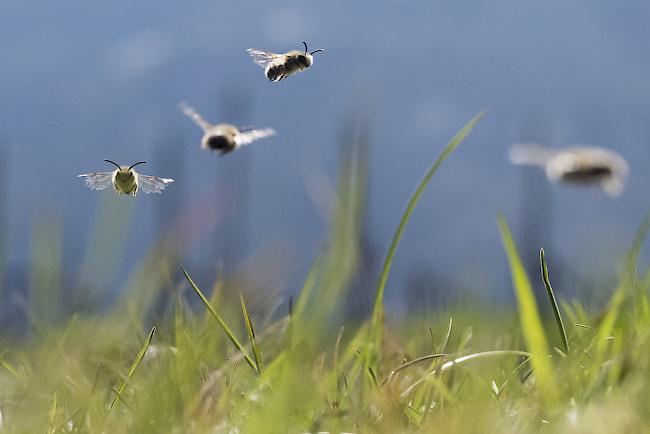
pixel 224 138
pixel 125 180
pixel 279 66
pixel 584 165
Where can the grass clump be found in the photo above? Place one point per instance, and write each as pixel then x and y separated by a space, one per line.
pixel 488 370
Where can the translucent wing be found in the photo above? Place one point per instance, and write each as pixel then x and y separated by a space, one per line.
pixel 264 58
pixel 97 180
pixel 197 118
pixel 152 184
pixel 530 154
pixel 249 136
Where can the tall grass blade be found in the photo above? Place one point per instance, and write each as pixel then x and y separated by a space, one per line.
pixel 52 414
pixel 551 297
pixel 221 322
pixel 257 354
pixel 531 324
pixel 377 313
pixel 133 367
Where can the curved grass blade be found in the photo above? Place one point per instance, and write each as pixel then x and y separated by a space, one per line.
pixel 133 367
pixel 410 206
pixel 460 360
pixel 405 365
pixel 445 343
pixel 257 354
pixel 378 309
pixel 221 322
pixel 531 324
pixel 551 297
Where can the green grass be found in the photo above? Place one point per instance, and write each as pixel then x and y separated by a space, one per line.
pixel 220 364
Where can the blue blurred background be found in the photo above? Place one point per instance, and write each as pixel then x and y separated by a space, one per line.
pixel 81 82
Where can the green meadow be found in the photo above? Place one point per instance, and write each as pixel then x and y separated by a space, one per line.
pixel 179 354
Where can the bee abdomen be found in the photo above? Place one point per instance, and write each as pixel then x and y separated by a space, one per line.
pixel 588 174
pixel 276 72
pixel 220 143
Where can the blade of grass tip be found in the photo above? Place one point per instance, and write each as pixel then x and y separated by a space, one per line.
pixel 221 322
pixel 377 312
pixel 551 297
pixel 445 343
pixel 306 290
pixel 12 370
pixel 132 369
pixel 531 324
pixel 639 240
pixel 373 377
pixel 257 355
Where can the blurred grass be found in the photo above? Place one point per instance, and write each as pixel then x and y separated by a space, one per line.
pixel 485 370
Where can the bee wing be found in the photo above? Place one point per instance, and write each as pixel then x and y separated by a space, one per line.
pixel 97 180
pixel 264 58
pixel 530 154
pixel 249 136
pixel 614 186
pixel 197 118
pixel 152 184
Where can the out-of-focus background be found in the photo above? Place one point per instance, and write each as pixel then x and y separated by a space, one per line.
pixel 81 82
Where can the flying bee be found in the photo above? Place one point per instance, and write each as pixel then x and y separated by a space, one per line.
pixel 125 180
pixel 224 138
pixel 278 66
pixel 581 165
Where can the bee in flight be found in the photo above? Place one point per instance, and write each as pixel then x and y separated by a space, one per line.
pixel 125 180
pixel 224 138
pixel 582 165
pixel 278 66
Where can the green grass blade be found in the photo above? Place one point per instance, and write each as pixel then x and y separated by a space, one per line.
pixel 377 312
pixel 257 354
pixel 405 365
pixel 551 297
pixel 639 241
pixel 52 414
pixel 460 360
pixel 12 370
pixel 133 367
pixel 531 324
pixel 445 343
pixel 482 355
pixel 413 201
pixel 221 322
pixel 306 290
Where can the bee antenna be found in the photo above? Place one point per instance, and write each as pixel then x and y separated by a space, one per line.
pixel 305 44
pixel 316 51
pixel 113 162
pixel 135 164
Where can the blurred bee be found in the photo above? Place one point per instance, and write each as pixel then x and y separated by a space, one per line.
pixel 224 138
pixel 278 66
pixel 576 165
pixel 125 180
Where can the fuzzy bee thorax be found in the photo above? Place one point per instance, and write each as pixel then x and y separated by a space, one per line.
pixel 300 59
